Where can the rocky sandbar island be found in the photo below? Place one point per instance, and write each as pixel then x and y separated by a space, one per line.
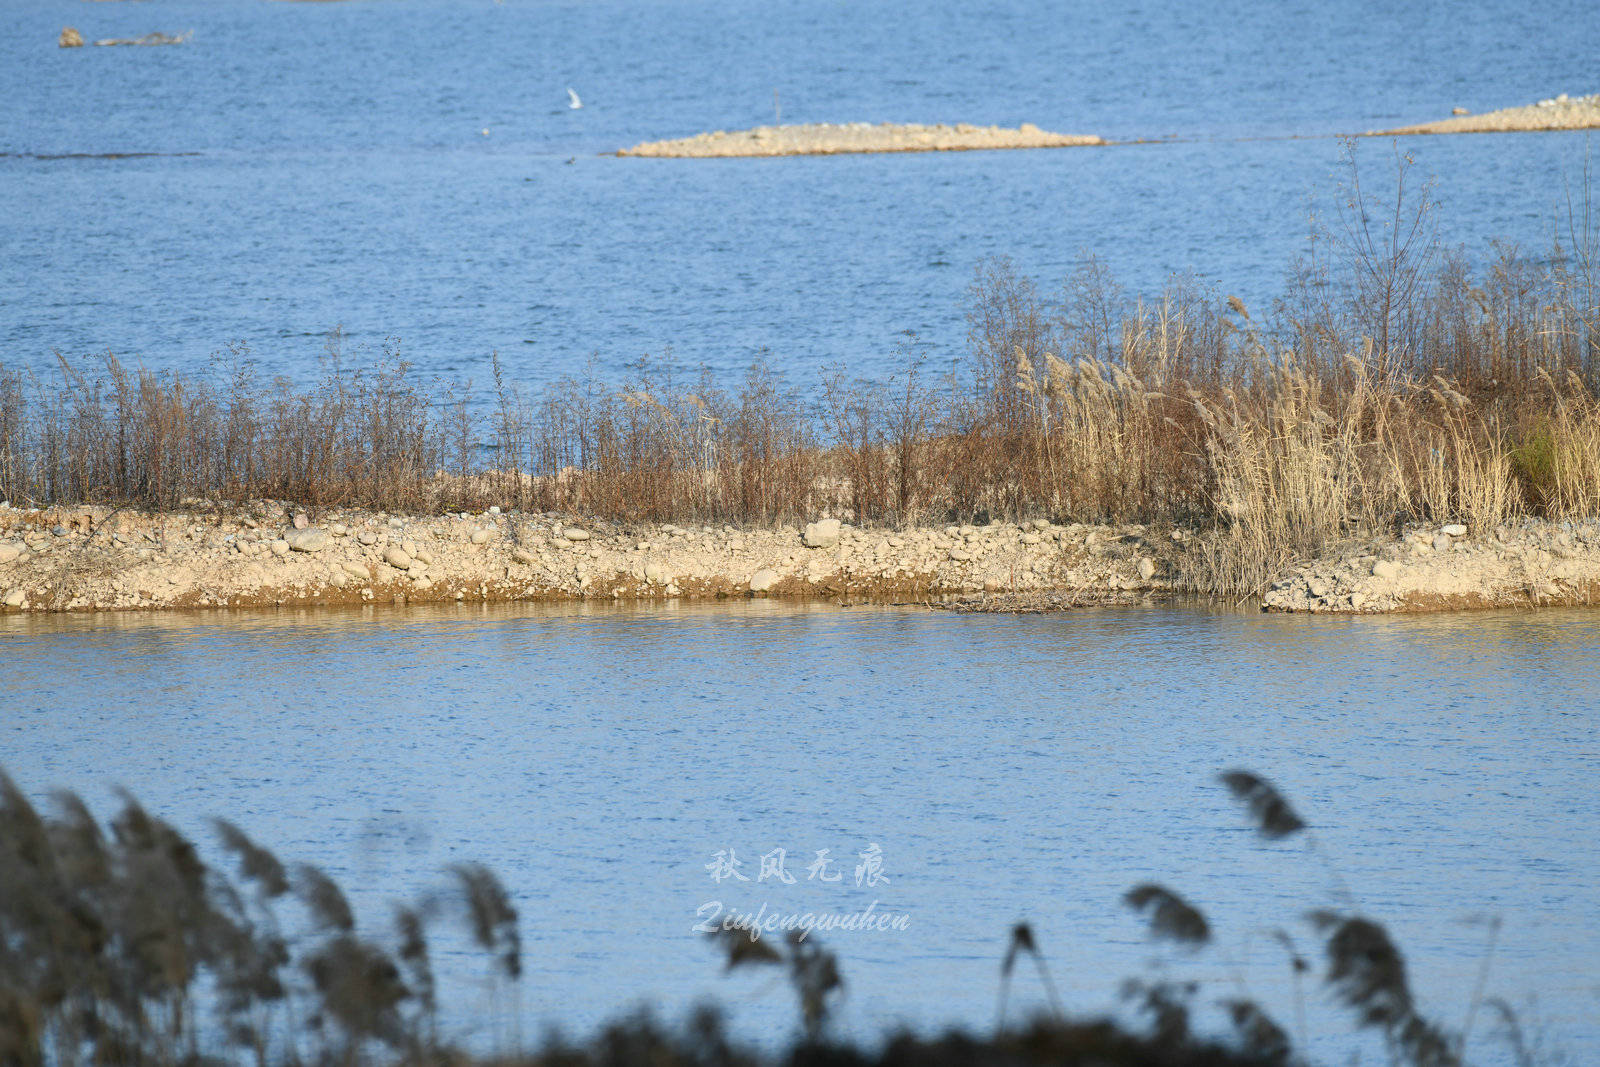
pixel 826 138
pixel 1556 113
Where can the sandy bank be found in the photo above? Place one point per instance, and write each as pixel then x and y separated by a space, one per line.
pixel 821 139
pixel 1451 568
pixel 1557 113
pixel 93 559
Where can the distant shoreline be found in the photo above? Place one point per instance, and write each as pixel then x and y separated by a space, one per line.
pixel 1557 113
pixel 824 138
pixel 821 139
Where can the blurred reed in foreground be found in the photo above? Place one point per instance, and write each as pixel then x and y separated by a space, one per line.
pixel 121 945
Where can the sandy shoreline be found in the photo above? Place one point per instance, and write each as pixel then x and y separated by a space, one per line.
pixel 825 138
pixel 1556 113
pixel 96 559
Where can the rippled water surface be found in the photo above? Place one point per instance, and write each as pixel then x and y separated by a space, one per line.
pixel 1006 766
pixel 412 172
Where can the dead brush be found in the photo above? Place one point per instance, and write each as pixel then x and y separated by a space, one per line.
pixel 126 947
pixel 812 970
pixel 1023 943
pixel 1364 969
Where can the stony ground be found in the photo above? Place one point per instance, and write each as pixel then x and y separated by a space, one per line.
pixel 1450 568
pixel 1556 113
pixel 78 559
pixel 826 138
pixel 85 559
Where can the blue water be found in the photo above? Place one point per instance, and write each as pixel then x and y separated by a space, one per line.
pixel 1006 766
pixel 324 164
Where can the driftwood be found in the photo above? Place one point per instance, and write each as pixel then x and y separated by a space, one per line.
pixel 147 39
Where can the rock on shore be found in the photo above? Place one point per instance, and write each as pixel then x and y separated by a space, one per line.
pixel 1556 113
pixel 825 138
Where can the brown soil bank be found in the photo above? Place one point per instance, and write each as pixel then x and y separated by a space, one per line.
pixel 80 559
pixel 822 139
pixel 1558 113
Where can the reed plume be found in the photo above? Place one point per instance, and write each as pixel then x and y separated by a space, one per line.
pixel 1273 816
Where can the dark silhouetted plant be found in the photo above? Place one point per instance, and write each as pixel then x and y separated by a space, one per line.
pixel 1171 917
pixel 1273 816
pixel 1023 943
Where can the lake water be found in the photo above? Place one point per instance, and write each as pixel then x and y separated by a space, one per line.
pixel 300 166
pixel 1006 766
pixel 325 164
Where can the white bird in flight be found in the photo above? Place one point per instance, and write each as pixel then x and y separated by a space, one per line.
pixel 572 99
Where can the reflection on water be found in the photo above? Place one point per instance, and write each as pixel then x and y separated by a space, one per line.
pixel 599 756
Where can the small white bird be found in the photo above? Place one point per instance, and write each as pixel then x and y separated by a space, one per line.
pixel 572 99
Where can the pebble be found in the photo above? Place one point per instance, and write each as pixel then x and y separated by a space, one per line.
pixel 575 534
pixel 523 556
pixel 763 580
pixel 280 547
pixel 8 553
pixel 1442 542
pixel 1455 529
pixel 357 570
pixel 1386 569
pixel 16 598
pixel 397 557
pixel 301 521
pixel 1147 569
pixel 481 537
pixel 304 540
